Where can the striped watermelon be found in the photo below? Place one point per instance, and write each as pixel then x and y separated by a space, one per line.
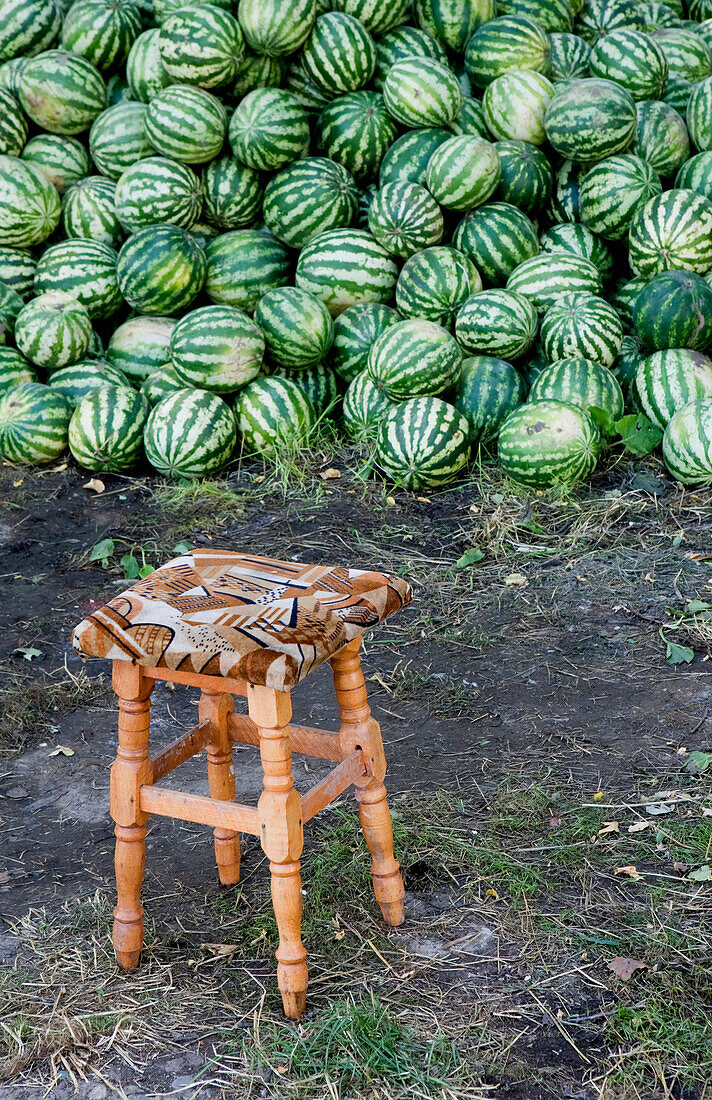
pixel 346 266
pixel 61 92
pixel 405 218
pixel 10 306
pixel 242 266
pixel 672 230
pixel 201 44
pixel 552 15
pixel 86 270
pixel 579 382
pixel 189 434
pixel 162 383
pixel 546 277
pixel 633 60
pixel 667 380
pixel 28 26
pixel 365 406
pixel 89 211
pixel 414 358
pixel 269 130
pixel 309 197
pixel 569 57
pixel 686 53
pixel 145 74
pixel 687 444
pixel 355 130
pixel 318 382
pixel 30 207
pixel 678 92
pixel 298 84
pixel 217 348
pixel 601 17
pixel 273 413
pixel 515 105
pixel 53 330
pixel 497 238
pixel 14 370
pixel 564 205
pixel 158 190
pixel 276 27
pixel 674 310
pixel 423 443
pixel 102 31
pixel 470 119
pixel 581 326
pixel 377 16
pixel 699 115
pixel 661 137
pixel 579 241
pixel 339 55
pixel 140 346
pixel 33 424
pixel 452 22
pixel 525 178
pixel 257 71
pixel 233 194
pixel 117 90
pixel 17 269
pixel 297 327
pixel 510 42
pixel 498 323
pixel 118 138
pixel 10 76
pixel 623 297
pixel 82 378
pixel 162 9
pixel 404 42
pixel 355 331
pixel 463 172
pixel 696 174
pixel 488 390
pixel 627 362
pixel 407 159
pixel 186 124
pixel 161 269
pixel 590 119
pixel 106 429
pixel 13 125
pixel 420 91
pixel 63 160
pixel 548 443
pixel 532 367
pixel 613 190
pixel 434 283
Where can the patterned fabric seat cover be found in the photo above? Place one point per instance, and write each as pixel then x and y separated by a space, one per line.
pixel 255 619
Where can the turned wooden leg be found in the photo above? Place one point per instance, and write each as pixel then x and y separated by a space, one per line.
pixel 131 768
pixel 215 708
pixel 360 730
pixel 280 809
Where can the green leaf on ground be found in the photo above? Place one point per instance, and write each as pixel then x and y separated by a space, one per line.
pixel 702 874
pixel 28 652
pixel 102 551
pixel 470 557
pixel 698 762
pixel 676 654
pixel 130 567
pixel 182 548
pixel 639 435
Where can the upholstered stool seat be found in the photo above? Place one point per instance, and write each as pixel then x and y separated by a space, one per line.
pixel 236 624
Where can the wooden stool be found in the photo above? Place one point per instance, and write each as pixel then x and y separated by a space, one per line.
pixel 232 624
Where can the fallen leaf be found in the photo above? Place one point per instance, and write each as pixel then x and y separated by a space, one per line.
pixel 95 485
pixel 221 948
pixel 516 580
pixel 330 475
pixel 657 808
pixel 625 968
pixel 470 557
pixel 702 874
pixel 490 893
pixel 424 500
pixel 698 762
pixel 27 652
pixel 630 871
pixel 17 483
pixel 339 935
pixel 598 796
pixel 61 750
pixel 474 509
pixel 639 826
pixel 609 827
pixel 391 501
pixel 680 868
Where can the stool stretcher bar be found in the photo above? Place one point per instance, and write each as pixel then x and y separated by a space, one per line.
pixel 198 808
pixel 335 783
pixel 321 744
pixel 181 750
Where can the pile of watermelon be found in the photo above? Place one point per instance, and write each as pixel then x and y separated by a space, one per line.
pixel 445 224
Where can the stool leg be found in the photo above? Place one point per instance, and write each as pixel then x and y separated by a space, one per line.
pixel 280 808
pixel 360 730
pixel 215 707
pixel 131 768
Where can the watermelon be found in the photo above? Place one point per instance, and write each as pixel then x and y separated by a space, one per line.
pixel 216 348
pixel 233 194
pixel 632 59
pixel 515 105
pixel 162 9
pixel 525 178
pixel 355 331
pixel 161 383
pixel 407 159
pixel 678 92
pixel 346 266
pixel 298 84
pixel 318 382
pixel 30 207
pixel 106 429
pixel 414 358
pixel 579 241
pixel 161 269
pixel 140 346
pixel 613 190
pixel 17 270
pixel 422 92
pixel 297 327
pixel 674 310
pixel 355 130
pixel 242 266
pixel 498 323
pixel 581 382
pixel 601 17
pixel 548 276
pixel 658 15
pixel 145 74
pixel 404 218
pixel 488 390
pixel 82 378
pixel 189 434
pixel 339 56
pixel 309 197
pixel 423 443
pixel 257 71
pixel 497 238
pixel 510 42
pixel 269 130
pixel 696 174
pixel 627 362
pixel 101 31
pixel 365 406
pixel 61 92
pixel 28 26
pixel 624 295
pixel 672 230
pixel 661 137
pixel 276 27
pixel 686 53
pixel 186 124
pixel 400 43
pixel 377 16
pixel 273 414
pixel 552 15
pixel 548 443
pixel 33 424
pixel 13 125
pixel 564 206
pixel 463 172
pixel 118 138
pixel 53 330
pixel 699 115
pixel 201 44
pixel 581 326
pixel 590 119
pixel 687 444
pixel 667 380
pixel 434 283
pixel 63 160
pixel 14 370
pixel 10 76
pixel 10 306
pixel 89 211
pixel 470 119
pixel 86 270
pixel 452 22
pixel 569 57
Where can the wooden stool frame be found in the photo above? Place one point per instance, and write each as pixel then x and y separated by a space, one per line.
pixel 280 814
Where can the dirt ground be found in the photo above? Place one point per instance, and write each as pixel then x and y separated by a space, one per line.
pixel 550 793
